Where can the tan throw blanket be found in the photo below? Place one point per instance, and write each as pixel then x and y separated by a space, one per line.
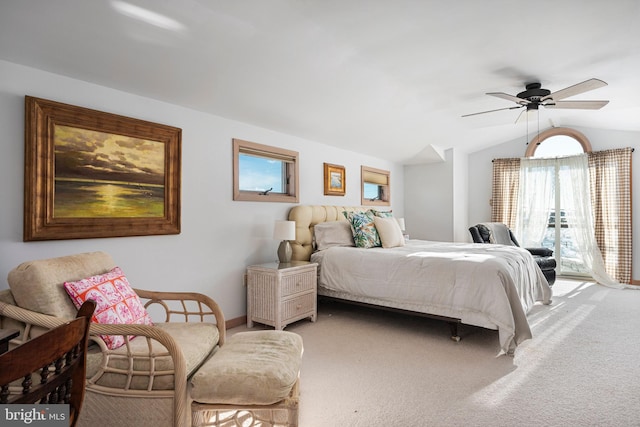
pixel 498 233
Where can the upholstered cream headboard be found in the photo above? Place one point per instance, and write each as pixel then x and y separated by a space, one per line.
pixel 306 217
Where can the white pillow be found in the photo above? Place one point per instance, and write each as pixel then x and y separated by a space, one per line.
pixel 333 233
pixel 389 231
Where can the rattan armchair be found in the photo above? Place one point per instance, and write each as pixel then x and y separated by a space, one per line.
pixel 143 382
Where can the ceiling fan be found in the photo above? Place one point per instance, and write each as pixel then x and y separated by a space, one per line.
pixel 535 96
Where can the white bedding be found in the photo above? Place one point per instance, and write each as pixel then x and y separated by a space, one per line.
pixel 491 286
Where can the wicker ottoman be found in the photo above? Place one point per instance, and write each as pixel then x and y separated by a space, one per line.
pixel 251 380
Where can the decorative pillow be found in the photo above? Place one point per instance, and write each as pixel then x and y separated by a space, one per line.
pixel 364 231
pixel 382 214
pixel 333 233
pixel 389 231
pixel 116 302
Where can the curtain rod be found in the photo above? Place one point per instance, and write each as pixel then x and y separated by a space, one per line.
pixel 632 150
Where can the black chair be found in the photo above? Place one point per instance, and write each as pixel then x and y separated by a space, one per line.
pixel 481 233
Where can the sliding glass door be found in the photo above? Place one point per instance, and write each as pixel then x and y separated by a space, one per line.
pixel 547 186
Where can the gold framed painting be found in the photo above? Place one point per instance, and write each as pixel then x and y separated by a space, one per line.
pixel 92 174
pixel 335 181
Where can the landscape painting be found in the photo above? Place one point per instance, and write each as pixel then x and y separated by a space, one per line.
pixel 99 174
pixel 92 174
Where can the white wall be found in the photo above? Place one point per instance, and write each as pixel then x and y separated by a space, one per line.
pixel 430 200
pixel 219 237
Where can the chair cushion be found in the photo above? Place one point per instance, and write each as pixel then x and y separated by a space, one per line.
pixel 196 340
pixel 251 368
pixel 38 285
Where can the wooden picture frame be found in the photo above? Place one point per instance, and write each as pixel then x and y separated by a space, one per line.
pixel 91 174
pixel 335 180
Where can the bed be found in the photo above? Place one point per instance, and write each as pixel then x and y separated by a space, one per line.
pixel 490 286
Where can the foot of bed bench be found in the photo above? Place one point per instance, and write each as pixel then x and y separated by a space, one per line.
pixel 454 331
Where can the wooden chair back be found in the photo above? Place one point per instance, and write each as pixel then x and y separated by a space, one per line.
pixel 55 360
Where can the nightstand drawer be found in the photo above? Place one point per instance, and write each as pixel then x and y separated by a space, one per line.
pixel 297 306
pixel 299 282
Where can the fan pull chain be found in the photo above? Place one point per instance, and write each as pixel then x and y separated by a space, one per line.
pixel 526 137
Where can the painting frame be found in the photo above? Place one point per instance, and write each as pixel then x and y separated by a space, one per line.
pixel 43 121
pixel 335 180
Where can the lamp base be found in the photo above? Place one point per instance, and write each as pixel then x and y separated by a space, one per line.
pixel 285 252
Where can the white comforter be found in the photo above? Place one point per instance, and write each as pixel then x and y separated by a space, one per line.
pixel 491 286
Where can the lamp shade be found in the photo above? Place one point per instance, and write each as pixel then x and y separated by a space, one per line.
pixel 401 223
pixel 284 230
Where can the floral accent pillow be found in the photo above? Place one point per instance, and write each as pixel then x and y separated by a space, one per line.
pixel 364 230
pixel 382 214
pixel 116 302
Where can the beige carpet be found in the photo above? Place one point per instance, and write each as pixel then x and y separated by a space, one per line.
pixel 364 367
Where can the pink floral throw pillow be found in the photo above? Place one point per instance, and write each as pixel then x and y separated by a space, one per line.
pixel 116 302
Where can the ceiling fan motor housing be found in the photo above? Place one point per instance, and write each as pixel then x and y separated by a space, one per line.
pixel 533 94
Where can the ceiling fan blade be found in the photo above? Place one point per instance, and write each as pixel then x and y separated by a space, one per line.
pixel 579 105
pixel 576 89
pixel 509 97
pixel 491 111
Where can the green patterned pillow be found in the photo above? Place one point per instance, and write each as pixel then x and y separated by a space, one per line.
pixel 381 214
pixel 364 230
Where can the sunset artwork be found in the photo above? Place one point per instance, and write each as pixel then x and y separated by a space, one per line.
pixel 106 175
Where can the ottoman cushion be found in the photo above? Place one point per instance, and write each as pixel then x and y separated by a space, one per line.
pixel 251 368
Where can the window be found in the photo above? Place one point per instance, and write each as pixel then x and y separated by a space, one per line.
pixel 376 190
pixel 556 142
pixel 559 235
pixel 264 174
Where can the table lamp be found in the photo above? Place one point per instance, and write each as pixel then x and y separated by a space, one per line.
pixel 284 231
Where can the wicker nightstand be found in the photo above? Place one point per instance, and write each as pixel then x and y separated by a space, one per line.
pixel 279 294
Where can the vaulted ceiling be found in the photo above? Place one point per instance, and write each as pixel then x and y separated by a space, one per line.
pixel 387 78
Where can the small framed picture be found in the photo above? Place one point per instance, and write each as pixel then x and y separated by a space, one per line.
pixel 335 181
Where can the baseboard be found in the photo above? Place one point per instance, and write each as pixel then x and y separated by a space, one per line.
pixel 238 321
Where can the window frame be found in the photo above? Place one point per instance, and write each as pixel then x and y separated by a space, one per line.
pixel 291 159
pixel 538 139
pixel 384 184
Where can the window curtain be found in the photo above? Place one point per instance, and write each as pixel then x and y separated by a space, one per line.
pixel 610 190
pixel 535 200
pixel 504 191
pixel 575 198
